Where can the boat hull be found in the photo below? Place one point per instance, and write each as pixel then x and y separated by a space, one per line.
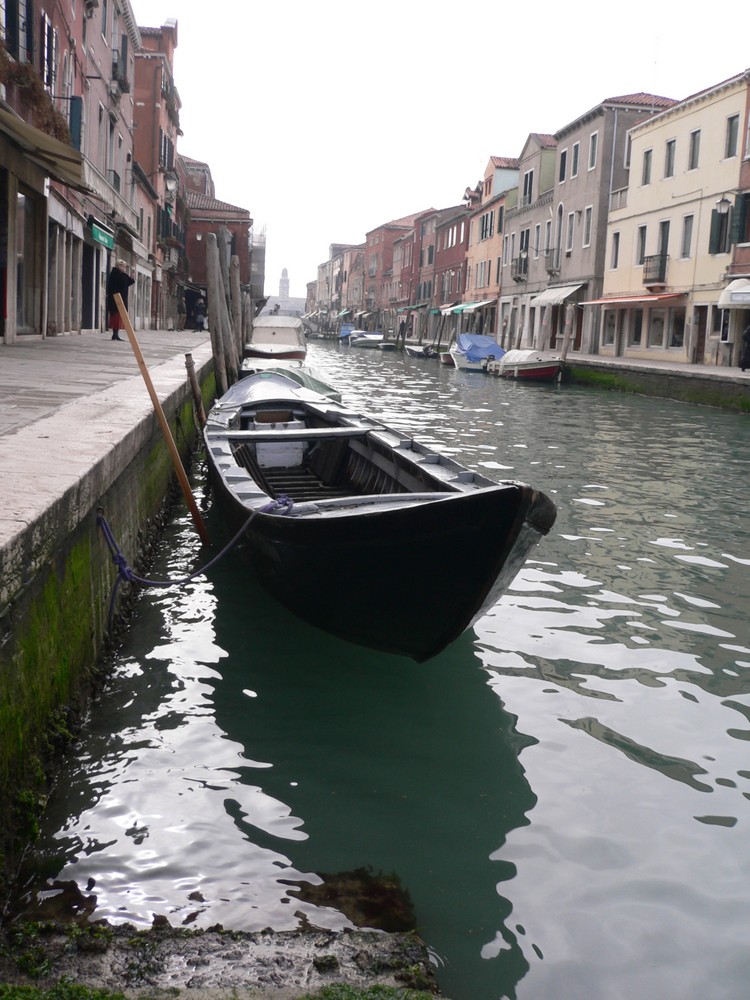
pixel 531 372
pixel 461 362
pixel 273 353
pixel 408 580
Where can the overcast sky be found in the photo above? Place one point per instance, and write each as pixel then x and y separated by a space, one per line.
pixel 327 118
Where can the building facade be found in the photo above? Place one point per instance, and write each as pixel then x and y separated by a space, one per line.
pixel 673 233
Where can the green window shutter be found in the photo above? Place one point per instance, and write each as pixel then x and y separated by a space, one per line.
pixel 715 234
pixel 739 217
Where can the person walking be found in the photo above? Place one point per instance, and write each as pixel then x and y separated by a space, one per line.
pixel 118 282
pixel 200 314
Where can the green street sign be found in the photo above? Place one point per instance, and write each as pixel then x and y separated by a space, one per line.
pixel 102 236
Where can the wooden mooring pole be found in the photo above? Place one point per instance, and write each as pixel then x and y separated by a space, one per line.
pixel 163 423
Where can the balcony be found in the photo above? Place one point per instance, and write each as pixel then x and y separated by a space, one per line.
pixel 553 256
pixel 655 270
pixel 519 268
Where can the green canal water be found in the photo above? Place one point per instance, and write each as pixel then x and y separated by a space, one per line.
pixel 564 792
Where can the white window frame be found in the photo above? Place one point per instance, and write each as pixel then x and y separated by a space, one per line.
pixel 694 149
pixel 614 251
pixel 593 150
pixel 686 241
pixel 647 166
pixel 575 159
pixel 670 157
pixel 641 236
pixel 570 232
pixel 732 137
pixel 588 225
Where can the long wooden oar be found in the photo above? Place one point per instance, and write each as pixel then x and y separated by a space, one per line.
pixel 165 428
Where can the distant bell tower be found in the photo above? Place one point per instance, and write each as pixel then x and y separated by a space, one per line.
pixel 284 285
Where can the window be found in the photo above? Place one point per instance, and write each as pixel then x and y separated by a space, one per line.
pixel 676 328
pixel 718 240
pixel 48 45
pixel 687 236
pixel 648 155
pixel 548 234
pixel 570 232
pixel 486 226
pixel 505 251
pixel 669 158
pixel 640 246
pixel 741 225
pixel 528 187
pixel 656 323
pixel 636 327
pixel 695 149
pixel 733 128
pixel 500 213
pixel 588 216
pixel 610 323
pixel 614 259
pixel 593 149
pixel 497 273
pixel 664 237
pixel 537 239
pixel 19 40
pixel 575 156
pixel 563 166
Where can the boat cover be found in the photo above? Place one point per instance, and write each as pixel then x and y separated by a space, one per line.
pixel 477 347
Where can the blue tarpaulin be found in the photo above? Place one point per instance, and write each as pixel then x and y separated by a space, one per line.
pixel 477 347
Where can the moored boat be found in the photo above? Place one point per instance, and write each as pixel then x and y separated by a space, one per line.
pixel 359 529
pixel 360 338
pixel 300 373
pixel 472 351
pixel 276 337
pixel 420 351
pixel 531 366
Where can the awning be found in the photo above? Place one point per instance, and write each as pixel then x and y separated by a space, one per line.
pixel 344 312
pixel 634 300
pixel 554 296
pixel 736 295
pixel 448 308
pixel 62 162
pixel 360 313
pixel 473 306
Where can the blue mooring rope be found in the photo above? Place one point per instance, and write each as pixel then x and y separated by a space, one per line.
pixel 281 505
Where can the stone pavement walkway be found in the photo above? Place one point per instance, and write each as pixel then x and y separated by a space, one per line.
pixel 39 376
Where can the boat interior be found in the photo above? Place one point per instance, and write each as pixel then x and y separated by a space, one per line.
pixel 295 453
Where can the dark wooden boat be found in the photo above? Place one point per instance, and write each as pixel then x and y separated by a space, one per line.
pixel 359 529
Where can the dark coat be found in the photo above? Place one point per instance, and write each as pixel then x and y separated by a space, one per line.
pixel 117 281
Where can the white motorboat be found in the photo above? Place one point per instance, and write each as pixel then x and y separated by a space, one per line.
pixel 277 337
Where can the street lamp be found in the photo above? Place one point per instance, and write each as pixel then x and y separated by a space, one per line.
pixel 723 205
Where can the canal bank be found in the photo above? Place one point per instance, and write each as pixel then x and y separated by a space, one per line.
pixel 78 434
pixel 705 385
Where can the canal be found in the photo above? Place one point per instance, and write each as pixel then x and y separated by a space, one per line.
pixel 564 792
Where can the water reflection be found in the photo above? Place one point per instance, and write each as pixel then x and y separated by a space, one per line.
pixel 563 791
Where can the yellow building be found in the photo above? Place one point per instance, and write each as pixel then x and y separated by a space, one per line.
pixel 669 234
